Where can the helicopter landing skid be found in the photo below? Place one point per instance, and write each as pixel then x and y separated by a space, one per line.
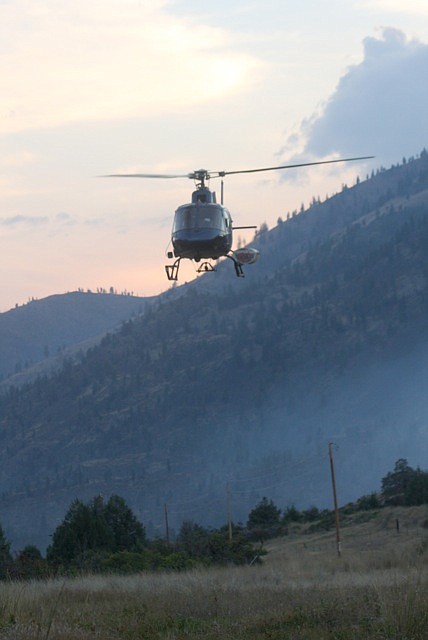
pixel 172 270
pixel 238 267
pixel 205 266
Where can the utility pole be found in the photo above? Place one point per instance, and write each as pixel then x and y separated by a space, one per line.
pixel 166 524
pixel 229 513
pixel 336 510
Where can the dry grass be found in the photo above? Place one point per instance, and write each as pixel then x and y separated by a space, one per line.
pixel 377 589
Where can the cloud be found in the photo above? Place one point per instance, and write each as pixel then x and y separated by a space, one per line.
pixel 54 223
pixel 378 107
pixel 107 59
pixel 21 220
pixel 65 219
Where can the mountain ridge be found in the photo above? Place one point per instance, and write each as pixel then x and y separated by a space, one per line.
pixel 227 380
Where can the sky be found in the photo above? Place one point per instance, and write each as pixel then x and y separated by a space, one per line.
pixel 123 86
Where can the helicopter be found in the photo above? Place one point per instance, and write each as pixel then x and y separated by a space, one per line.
pixel 202 229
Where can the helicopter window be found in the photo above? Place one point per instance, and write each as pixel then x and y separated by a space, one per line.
pixel 184 219
pixel 211 219
pixel 195 217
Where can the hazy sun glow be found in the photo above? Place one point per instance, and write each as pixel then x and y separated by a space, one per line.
pixel 103 60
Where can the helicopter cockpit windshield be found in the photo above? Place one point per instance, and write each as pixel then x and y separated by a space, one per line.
pixel 198 216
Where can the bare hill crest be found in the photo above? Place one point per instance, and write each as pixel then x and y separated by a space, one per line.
pixel 43 331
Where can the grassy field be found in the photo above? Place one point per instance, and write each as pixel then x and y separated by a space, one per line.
pixel 377 589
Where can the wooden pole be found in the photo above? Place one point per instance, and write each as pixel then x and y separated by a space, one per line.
pixel 229 512
pixel 336 510
pixel 166 524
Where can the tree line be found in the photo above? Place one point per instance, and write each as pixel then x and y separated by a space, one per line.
pixel 404 486
pixel 106 537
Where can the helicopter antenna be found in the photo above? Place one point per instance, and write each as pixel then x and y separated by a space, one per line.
pixel 222 192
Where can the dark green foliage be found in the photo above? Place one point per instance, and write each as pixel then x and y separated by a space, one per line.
pixel 405 486
pixel 417 489
pixel 77 535
pixel 264 515
pixel 5 556
pixel 311 514
pixel 371 501
pixel 127 532
pixel 195 546
pixel 213 546
pixel 125 562
pixel 167 556
pixel 395 483
pixel 192 539
pixel 291 514
pixel 264 521
pixel 100 536
pixel 92 530
pixel 29 564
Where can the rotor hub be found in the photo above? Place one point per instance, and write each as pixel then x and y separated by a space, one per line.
pixel 201 176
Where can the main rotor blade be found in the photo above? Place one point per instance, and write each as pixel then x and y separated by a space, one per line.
pixel 292 166
pixel 145 175
pixel 203 174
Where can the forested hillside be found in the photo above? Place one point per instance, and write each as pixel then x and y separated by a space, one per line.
pixel 244 381
pixel 42 330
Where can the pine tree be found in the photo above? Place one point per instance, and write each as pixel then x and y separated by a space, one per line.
pixel 265 514
pixel 127 532
pixel 5 556
pixel 96 529
pixel 396 483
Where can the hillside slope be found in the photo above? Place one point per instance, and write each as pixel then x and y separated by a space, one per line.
pixel 42 329
pixel 367 533
pixel 245 382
